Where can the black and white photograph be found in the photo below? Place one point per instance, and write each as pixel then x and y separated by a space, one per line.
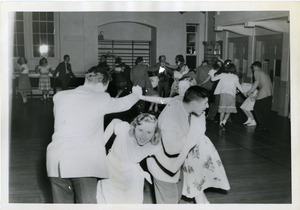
pixel 192 103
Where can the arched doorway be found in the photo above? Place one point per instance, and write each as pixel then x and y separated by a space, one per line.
pixel 127 40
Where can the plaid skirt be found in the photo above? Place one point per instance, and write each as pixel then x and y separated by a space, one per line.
pixel 44 82
pixel 24 84
pixel 227 103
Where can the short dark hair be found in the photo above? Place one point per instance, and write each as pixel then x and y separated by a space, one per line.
pixel 138 60
pixel 66 56
pixel 230 68
pixel 257 64
pixel 228 61
pixel 159 58
pixel 118 60
pixel 205 61
pixel 121 65
pixel 43 59
pixel 98 74
pixel 180 58
pixel 194 93
pixel 216 65
pixel 20 58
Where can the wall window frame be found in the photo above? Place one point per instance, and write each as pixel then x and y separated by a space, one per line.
pixel 28 37
pixel 18 34
pixel 191 45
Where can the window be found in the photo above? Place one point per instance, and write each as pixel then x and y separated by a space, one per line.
pixel 191 31
pixel 43 34
pixel 191 43
pixel 18 45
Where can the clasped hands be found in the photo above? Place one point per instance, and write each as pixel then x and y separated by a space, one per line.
pixel 137 90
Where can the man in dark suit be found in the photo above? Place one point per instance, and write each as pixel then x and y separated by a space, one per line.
pixel 65 72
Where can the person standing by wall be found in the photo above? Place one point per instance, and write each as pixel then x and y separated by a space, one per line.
pixel 65 72
pixel 263 103
pixel 44 82
pixel 24 85
pixel 76 157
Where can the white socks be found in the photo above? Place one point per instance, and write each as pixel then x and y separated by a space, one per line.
pixel 223 122
pixel 248 121
pixel 252 123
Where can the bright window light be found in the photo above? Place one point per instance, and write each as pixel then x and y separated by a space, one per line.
pixel 44 49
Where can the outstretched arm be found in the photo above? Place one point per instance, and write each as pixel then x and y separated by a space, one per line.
pixel 255 84
pixel 217 77
pixel 171 66
pixel 155 99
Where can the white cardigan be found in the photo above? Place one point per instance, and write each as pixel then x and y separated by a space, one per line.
pixel 227 84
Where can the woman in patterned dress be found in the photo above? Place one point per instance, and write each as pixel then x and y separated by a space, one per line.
pixel 24 85
pixel 202 167
pixel 44 82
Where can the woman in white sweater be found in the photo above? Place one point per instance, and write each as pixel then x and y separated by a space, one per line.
pixel 228 84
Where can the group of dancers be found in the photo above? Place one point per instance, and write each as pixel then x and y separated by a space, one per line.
pixel 180 157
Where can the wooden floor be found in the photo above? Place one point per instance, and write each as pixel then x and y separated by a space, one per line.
pixel 258 165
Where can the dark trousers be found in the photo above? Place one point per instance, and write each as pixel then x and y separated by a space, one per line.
pixel 166 192
pixel 163 89
pixel 262 111
pixel 65 82
pixel 74 190
pixel 214 107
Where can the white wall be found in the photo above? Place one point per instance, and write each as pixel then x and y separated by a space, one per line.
pixel 125 31
pixel 79 33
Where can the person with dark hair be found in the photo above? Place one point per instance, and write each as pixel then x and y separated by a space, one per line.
pixel 65 72
pixel 202 76
pixel 228 84
pixel 175 128
pixel 103 62
pixel 133 142
pixel 263 103
pixel 122 79
pixel 204 63
pixel 214 99
pixel 24 85
pixel 213 175
pixel 139 76
pixel 180 69
pixel 164 76
pixel 44 81
pixel 76 157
